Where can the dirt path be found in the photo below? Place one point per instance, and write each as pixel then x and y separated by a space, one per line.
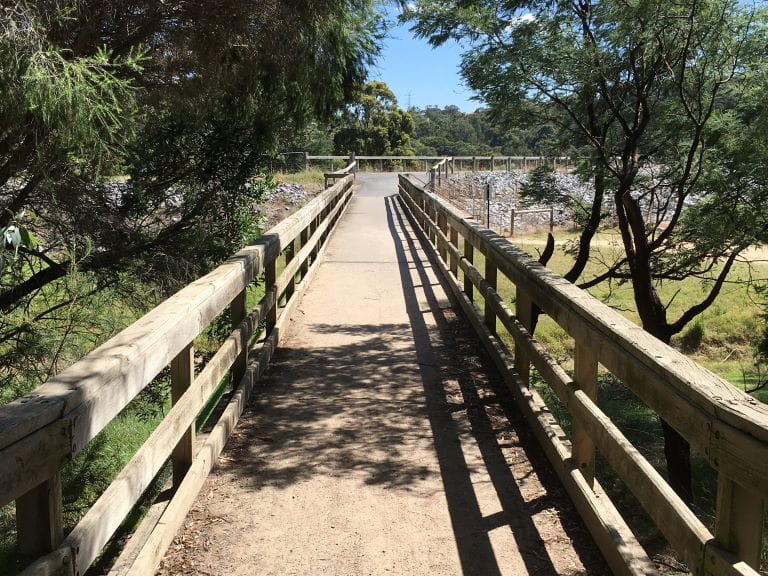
pixel 382 442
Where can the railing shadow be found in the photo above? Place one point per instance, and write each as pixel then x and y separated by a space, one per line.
pixel 475 550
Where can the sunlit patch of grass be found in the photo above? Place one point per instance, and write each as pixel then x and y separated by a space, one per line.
pixel 312 180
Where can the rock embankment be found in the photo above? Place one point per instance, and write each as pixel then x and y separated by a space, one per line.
pixel 281 202
pixel 467 190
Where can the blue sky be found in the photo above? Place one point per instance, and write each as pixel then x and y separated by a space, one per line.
pixel 420 75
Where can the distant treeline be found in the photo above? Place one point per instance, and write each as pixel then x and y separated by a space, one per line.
pixel 375 125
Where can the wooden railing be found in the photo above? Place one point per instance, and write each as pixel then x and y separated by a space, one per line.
pixel 41 431
pixel 437 170
pixel 725 425
pixel 349 170
pixel 459 163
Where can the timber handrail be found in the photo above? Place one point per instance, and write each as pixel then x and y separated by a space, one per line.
pixel 349 169
pixel 437 170
pixel 42 430
pixel 524 163
pixel 722 423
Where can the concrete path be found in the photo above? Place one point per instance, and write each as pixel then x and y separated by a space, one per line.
pixel 383 442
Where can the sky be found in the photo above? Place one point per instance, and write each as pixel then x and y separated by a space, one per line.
pixel 420 75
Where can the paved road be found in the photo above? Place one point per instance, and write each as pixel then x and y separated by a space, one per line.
pixel 380 443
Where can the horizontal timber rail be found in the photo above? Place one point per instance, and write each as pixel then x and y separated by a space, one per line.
pixel 349 170
pixel 440 167
pixel 41 431
pixel 458 163
pixel 725 425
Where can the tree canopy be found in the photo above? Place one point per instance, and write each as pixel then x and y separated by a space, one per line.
pixel 374 124
pixel 131 134
pixel 649 92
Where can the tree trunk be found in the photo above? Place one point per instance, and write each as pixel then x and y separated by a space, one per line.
pixel 653 316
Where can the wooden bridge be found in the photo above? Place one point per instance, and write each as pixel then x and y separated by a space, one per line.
pixel 378 402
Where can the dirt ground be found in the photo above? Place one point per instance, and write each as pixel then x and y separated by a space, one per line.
pixel 382 441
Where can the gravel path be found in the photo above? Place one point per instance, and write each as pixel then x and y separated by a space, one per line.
pixel 383 441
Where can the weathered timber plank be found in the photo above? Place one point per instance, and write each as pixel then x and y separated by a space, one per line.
pixel 39 519
pixel 93 531
pixel 35 459
pixel 182 376
pixel 740 514
pixel 585 375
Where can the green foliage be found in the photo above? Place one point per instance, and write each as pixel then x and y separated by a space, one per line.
pixel 450 132
pixel 653 95
pixel 374 125
pixel 131 136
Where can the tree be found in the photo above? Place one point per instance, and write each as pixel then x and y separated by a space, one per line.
pixel 375 125
pixel 643 87
pixel 178 100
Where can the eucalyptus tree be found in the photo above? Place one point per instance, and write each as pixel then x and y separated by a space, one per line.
pixel 643 86
pixel 374 124
pixel 131 136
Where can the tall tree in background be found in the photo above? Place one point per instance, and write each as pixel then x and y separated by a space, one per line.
pixel 182 98
pixel 374 124
pixel 645 86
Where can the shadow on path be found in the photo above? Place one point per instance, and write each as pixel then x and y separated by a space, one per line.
pixel 469 525
pixel 365 405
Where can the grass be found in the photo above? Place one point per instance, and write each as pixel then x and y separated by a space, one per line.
pixel 312 180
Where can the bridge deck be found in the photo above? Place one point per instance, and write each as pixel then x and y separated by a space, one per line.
pixel 383 442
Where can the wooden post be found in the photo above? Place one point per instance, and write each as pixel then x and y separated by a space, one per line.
pixel 237 311
pixel 739 525
pixel 269 282
pixel 290 287
pixel 469 254
pixel 432 213
pixel 182 375
pixel 474 163
pixel 551 218
pixel 493 163
pixel 524 313
pixel 455 244
pixel 512 224
pixel 304 238
pixel 490 276
pixel 312 229
pixel 585 376
pixel 39 518
pixel 442 223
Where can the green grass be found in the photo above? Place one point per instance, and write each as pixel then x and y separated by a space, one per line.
pixel 721 338
pixel 312 179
